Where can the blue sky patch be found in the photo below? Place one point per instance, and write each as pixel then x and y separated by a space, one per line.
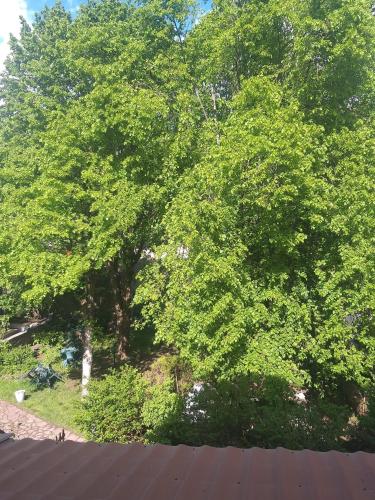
pixel 37 5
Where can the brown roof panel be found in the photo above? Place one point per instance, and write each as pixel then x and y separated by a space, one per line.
pixel 36 470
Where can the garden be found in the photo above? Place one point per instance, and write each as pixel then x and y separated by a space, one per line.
pixel 187 205
pixel 156 400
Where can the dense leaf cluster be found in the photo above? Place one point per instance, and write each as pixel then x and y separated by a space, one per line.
pixel 15 361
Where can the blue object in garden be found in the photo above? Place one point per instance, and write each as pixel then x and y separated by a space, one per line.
pixel 69 355
pixel 43 376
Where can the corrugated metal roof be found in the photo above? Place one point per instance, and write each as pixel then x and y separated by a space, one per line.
pixel 35 470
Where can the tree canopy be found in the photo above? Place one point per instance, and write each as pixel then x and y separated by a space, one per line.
pixel 221 164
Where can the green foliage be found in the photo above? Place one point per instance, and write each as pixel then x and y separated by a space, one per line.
pixel 244 414
pixel 161 413
pixel 231 160
pixel 51 355
pixel 241 215
pixel 49 337
pixel 112 410
pixel 50 342
pixel 319 426
pixel 168 381
pixel 16 360
pixel 172 370
pixel 123 407
pixel 269 241
pixel 101 144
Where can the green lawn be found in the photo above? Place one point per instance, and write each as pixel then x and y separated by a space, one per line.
pixel 57 405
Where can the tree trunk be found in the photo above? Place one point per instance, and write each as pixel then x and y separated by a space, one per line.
pixel 86 359
pixel 355 398
pixel 121 324
pixel 87 312
pixel 121 315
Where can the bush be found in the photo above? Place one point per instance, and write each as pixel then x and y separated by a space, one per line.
pixel 50 337
pixel 51 355
pixel 124 407
pixel 172 370
pixel 318 425
pixel 363 434
pixel 161 413
pixel 112 412
pixel 244 413
pixel 16 360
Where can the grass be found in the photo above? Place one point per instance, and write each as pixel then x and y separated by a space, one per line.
pixel 57 405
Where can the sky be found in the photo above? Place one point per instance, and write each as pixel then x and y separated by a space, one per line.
pixel 10 10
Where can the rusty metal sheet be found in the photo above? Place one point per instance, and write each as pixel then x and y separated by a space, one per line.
pixel 36 470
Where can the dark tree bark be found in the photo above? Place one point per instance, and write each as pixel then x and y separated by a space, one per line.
pixel 355 398
pixel 122 271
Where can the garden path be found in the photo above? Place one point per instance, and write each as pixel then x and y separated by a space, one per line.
pixel 23 424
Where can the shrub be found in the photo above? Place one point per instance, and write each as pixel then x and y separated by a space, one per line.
pixel 112 412
pixel 51 355
pixel 363 434
pixel 318 425
pixel 124 407
pixel 15 360
pixel 161 413
pixel 244 413
pixel 50 337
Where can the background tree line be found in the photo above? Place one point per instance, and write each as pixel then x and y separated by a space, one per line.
pixel 208 178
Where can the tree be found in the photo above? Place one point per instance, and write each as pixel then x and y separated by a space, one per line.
pixel 100 163
pixel 267 261
pixel 35 82
pixel 237 149
pixel 233 302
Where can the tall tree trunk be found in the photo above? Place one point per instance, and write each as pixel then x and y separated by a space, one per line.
pixel 121 315
pixel 87 310
pixel 121 323
pixel 86 358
